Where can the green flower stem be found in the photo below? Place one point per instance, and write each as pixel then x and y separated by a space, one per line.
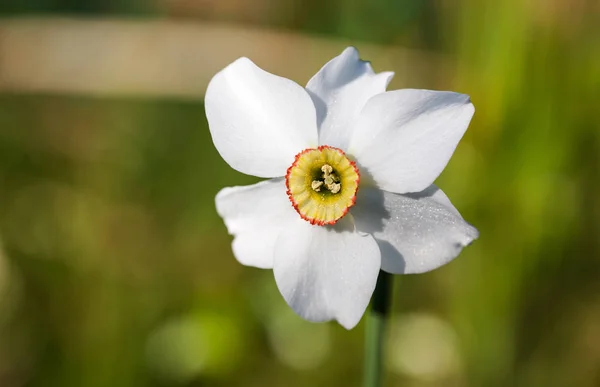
pixel 376 323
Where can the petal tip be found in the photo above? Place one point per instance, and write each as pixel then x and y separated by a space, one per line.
pixel 218 199
pixel 387 75
pixel 240 64
pixel 351 51
pixel 243 60
pixel 467 102
pixel 348 323
pixel 471 106
pixel 472 236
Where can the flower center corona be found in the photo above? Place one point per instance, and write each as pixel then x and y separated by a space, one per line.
pixel 322 184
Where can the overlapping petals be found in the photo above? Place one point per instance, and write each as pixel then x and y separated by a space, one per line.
pixel 401 139
pixel 404 138
pixel 340 90
pixel 255 215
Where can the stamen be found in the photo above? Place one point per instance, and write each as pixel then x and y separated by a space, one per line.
pixel 330 180
pixel 316 185
pixel 335 188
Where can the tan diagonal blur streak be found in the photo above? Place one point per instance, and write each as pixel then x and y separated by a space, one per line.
pixel 170 58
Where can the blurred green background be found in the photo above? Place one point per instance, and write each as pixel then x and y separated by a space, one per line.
pixel 116 270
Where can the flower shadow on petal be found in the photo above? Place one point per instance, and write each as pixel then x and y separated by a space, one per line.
pixel 371 215
pixel 369 211
pixel 320 108
pixel 345 224
pixel 391 253
pixel 427 192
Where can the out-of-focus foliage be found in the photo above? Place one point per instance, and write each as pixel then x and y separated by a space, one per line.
pixel 116 270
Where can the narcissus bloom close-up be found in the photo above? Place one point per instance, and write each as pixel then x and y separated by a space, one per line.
pixel 351 169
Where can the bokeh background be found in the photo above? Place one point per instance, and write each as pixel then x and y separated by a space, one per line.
pixel 116 270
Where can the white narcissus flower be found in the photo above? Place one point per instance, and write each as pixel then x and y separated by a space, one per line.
pixel 351 190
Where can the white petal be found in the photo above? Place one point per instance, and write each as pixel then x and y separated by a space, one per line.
pixel 404 138
pixel 326 273
pixel 416 232
pixel 259 121
pixel 340 90
pixel 255 215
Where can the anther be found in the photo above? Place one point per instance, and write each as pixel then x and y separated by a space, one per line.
pixel 316 185
pixel 330 180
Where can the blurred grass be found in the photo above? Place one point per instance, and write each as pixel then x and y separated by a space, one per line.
pixel 118 271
